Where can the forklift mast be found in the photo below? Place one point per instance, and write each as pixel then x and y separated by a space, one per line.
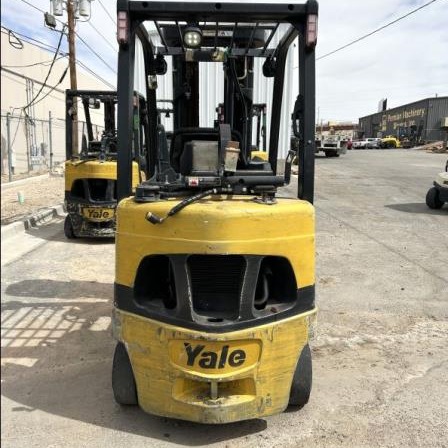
pixel 232 34
pixel 259 111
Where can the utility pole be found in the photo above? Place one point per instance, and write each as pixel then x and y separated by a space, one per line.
pixel 75 9
pixel 73 79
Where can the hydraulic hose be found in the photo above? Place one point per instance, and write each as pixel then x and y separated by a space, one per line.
pixel 154 219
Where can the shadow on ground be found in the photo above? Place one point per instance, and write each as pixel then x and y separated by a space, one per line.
pixel 57 360
pixel 51 289
pixel 417 207
pixel 54 231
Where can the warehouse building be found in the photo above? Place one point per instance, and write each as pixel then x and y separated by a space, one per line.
pixel 33 107
pixel 420 122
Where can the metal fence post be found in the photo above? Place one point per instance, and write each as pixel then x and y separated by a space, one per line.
pixel 50 141
pixel 27 140
pixel 8 135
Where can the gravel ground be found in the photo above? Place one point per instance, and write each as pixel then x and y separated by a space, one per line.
pixel 38 192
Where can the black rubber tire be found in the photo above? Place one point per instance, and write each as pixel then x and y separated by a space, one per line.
pixel 432 199
pixel 302 379
pixel 123 382
pixel 330 154
pixel 68 228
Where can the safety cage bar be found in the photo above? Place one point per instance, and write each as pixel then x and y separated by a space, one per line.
pixel 169 19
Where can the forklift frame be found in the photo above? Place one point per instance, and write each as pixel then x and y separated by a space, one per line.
pixel 214 309
pixel 109 100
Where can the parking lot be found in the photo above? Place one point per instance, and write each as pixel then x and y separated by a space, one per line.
pixel 380 353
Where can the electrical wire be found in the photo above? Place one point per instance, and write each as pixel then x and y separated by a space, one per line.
pixel 32 6
pixel 107 12
pixel 80 38
pixel 45 63
pixel 53 87
pixel 17 44
pixel 94 74
pixel 49 72
pixel 17 128
pixel 376 31
pixel 102 35
pixel 48 47
pixel 96 54
pixel 26 38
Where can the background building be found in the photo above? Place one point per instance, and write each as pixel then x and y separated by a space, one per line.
pixel 345 130
pixel 419 121
pixel 28 99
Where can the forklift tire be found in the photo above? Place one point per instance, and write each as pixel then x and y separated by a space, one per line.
pixel 302 379
pixel 432 199
pixel 68 228
pixel 123 382
pixel 330 154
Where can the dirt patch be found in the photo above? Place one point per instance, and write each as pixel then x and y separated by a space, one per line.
pixel 21 200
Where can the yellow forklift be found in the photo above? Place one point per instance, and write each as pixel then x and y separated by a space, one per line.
pixel 90 176
pixel 214 300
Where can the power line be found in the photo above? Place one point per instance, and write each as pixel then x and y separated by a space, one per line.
pixel 102 35
pixel 95 53
pixel 17 128
pixel 375 31
pixel 46 47
pixel 33 65
pixel 82 40
pixel 107 12
pixel 32 6
pixel 54 87
pixel 19 75
pixel 85 67
pixel 49 72
pixel 14 41
pixel 27 39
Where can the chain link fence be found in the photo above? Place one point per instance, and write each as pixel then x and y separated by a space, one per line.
pixel 31 146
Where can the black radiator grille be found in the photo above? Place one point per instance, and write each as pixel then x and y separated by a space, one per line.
pixel 216 282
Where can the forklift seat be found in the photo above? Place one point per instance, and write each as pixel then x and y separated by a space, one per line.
pixel 181 158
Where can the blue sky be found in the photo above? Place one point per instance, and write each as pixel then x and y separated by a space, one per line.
pixel 405 62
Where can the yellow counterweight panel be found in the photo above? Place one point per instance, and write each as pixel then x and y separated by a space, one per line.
pixel 94 169
pixel 219 225
pixel 209 377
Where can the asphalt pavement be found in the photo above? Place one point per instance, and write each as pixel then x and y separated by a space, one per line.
pixel 380 353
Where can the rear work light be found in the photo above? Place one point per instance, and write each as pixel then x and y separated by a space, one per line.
pixel 122 28
pixel 311 31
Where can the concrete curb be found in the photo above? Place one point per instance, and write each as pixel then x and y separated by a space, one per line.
pixel 40 218
pixel 27 180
